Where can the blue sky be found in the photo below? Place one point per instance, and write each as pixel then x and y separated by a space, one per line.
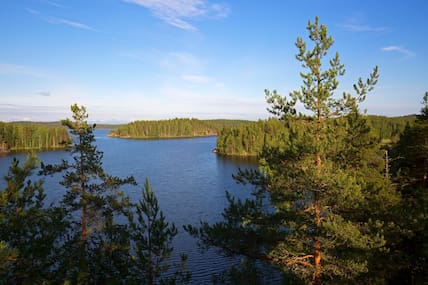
pixel 130 60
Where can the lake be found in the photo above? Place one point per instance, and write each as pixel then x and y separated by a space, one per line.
pixel 188 179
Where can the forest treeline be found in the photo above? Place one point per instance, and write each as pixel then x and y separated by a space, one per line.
pixel 19 136
pixel 172 128
pixel 235 137
pixel 241 137
pixel 250 138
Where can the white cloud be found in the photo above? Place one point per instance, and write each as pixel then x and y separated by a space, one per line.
pixel 21 112
pixel 210 104
pixel 398 49
pixel 358 22
pixel 362 28
pixel 178 12
pixel 14 69
pixel 44 93
pixel 202 79
pixel 60 21
pixel 197 78
pixel 73 24
pixel 221 11
pixel 55 4
pixel 181 62
pixel 32 11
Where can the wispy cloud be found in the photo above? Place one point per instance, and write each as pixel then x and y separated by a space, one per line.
pixel 14 69
pixel 178 12
pixel 362 28
pixel 60 21
pixel 44 94
pixel 73 24
pixel 398 49
pixel 206 104
pixel 135 55
pixel 197 78
pixel 22 112
pixel 220 11
pixel 32 11
pixel 179 61
pixel 201 79
pixel 55 4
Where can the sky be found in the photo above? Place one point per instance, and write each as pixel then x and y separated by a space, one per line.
pixel 129 60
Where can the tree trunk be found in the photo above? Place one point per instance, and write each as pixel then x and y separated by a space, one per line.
pixel 84 223
pixel 317 207
pixel 150 265
pixel 317 243
pixel 83 198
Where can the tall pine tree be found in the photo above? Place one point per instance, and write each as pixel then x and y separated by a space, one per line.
pixel 311 212
pixel 93 201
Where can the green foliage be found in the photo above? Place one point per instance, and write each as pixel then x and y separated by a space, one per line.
pixel 153 236
pixel 317 205
pixel 30 230
pixel 174 128
pixel 390 129
pixel 96 248
pixel 32 136
pixel 7 256
pixel 424 111
pixel 250 272
pixel 408 233
pixel 93 200
pixel 249 139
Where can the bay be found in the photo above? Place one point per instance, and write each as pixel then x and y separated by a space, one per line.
pixel 188 179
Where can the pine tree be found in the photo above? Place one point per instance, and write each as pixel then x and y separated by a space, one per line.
pixel 153 236
pixel 93 200
pixel 7 256
pixel 311 212
pixel 30 231
pixel 412 149
pixel 408 239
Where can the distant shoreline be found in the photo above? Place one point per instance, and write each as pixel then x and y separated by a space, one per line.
pixel 22 150
pixel 159 137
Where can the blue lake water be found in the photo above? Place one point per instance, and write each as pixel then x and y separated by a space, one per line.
pixel 188 179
